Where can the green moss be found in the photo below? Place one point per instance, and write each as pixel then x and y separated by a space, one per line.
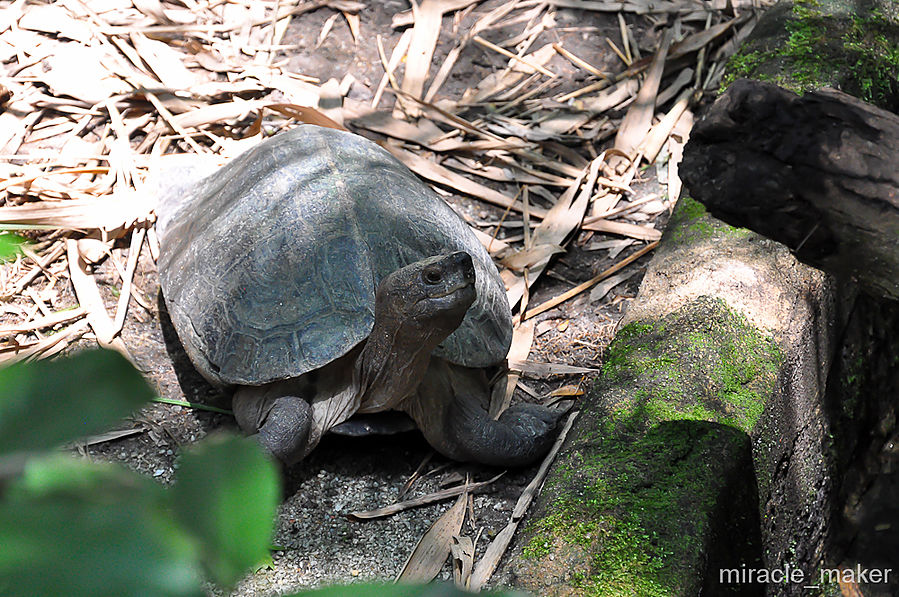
pixel 637 499
pixel 857 53
pixel 690 222
pixel 716 367
pixel 634 513
pixel 853 373
pixel 812 59
pixel 872 46
pixel 829 588
pixel 742 66
pixel 690 209
pixel 636 329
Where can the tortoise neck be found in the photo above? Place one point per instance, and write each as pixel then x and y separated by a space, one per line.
pixel 393 362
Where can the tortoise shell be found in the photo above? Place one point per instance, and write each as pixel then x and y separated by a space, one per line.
pixel 269 266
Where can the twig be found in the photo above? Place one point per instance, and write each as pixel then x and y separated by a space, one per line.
pixel 485 567
pixel 543 369
pixel 437 496
pixel 589 283
pixel 137 241
pixel 41 323
pixel 194 405
pixel 40 266
pixel 109 436
pixel 414 476
pixel 620 54
pixel 579 62
pixel 511 56
pixel 61 338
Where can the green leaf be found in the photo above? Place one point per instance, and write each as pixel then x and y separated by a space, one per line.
pixel 399 590
pixel 58 474
pixel 74 528
pixel 227 495
pixel 10 246
pixel 47 403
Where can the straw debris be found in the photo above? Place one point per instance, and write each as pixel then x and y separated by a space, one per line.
pixel 92 94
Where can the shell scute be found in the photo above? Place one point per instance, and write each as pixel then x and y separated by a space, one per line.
pixel 269 266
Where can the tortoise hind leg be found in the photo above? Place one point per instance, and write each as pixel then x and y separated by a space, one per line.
pixel 282 422
pixel 450 408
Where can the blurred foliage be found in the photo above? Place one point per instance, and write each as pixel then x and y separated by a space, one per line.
pixel 10 246
pixel 77 528
pixel 70 527
pixel 73 527
pixel 217 479
pixel 47 403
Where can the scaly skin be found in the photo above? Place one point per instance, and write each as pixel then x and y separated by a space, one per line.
pixel 416 308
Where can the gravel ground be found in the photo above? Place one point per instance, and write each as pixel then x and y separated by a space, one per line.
pixel 344 474
pixel 320 545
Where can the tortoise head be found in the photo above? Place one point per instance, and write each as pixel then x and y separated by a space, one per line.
pixel 428 298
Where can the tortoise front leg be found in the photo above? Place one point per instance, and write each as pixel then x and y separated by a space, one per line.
pixel 450 408
pixel 282 422
pixel 521 435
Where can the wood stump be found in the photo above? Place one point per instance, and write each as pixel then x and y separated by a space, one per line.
pixel 818 173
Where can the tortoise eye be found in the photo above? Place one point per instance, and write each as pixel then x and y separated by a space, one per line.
pixel 432 276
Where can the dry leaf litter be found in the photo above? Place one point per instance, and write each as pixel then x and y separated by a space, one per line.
pixel 554 128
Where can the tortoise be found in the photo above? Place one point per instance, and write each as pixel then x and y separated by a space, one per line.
pixel 321 278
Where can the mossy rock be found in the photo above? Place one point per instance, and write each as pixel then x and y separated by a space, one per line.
pixel 804 45
pixel 643 514
pixel 702 362
pixel 703 439
pixel 690 223
pixel 658 479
